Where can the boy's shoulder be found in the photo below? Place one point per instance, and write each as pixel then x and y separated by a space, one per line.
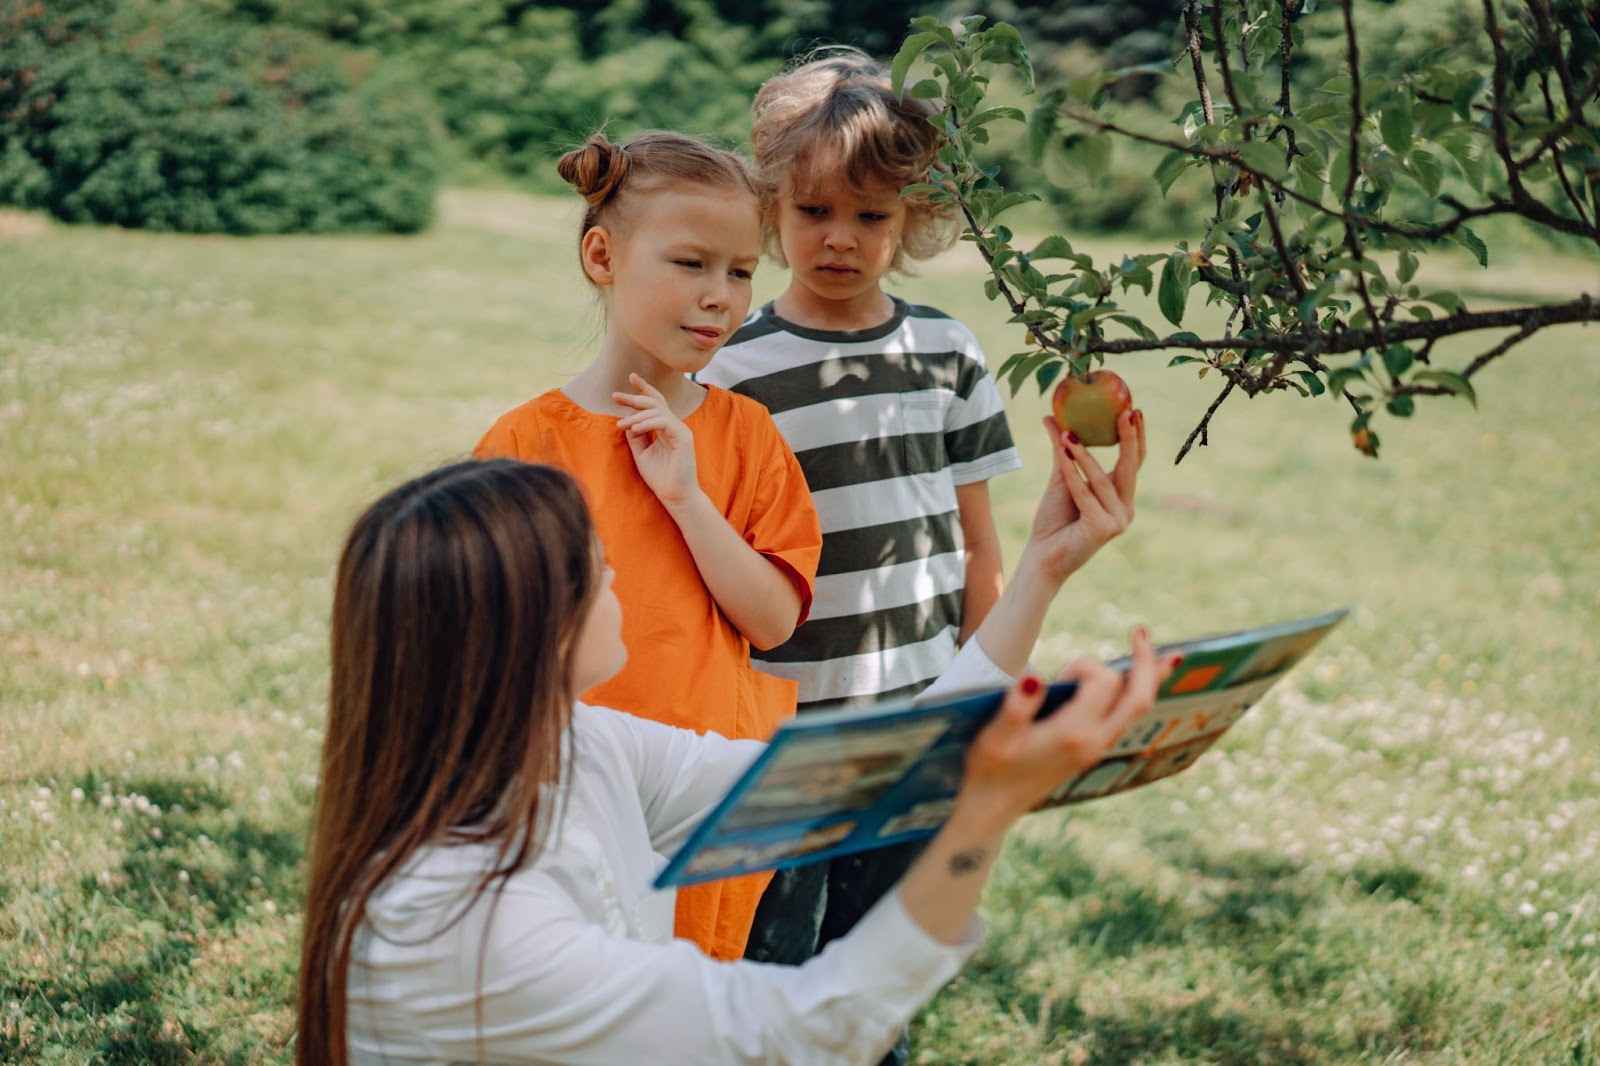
pixel 746 415
pixel 933 331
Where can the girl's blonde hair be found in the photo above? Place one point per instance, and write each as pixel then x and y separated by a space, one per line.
pixel 609 176
pixel 834 116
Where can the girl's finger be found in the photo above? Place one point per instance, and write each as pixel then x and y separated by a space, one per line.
pixel 643 403
pixel 647 424
pixel 645 387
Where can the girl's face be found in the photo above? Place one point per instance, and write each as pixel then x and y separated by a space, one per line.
pixel 678 279
pixel 599 653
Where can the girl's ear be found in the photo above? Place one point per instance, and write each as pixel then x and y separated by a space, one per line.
pixel 597 254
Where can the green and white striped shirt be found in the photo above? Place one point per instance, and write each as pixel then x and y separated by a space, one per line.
pixel 885 422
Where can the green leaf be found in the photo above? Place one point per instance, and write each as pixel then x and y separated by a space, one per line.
pixel 1339 173
pixel 1401 406
pixel 1179 360
pixel 1185 337
pixel 1173 292
pixel 1447 300
pixel 1011 199
pixel 1473 243
pixel 927 89
pixel 1020 372
pixel 913 47
pixel 991 114
pixel 1398 358
pixel 1450 380
pixel 1047 374
pixel 1313 382
pixel 1171 166
pixel 1429 171
pixel 1052 247
pixel 1144 331
pixel 1043 122
pixel 1264 158
pixel 1094 154
pixel 1408 267
pixel 1397 126
pixel 1338 379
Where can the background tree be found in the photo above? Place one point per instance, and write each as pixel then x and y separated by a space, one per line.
pixel 1324 201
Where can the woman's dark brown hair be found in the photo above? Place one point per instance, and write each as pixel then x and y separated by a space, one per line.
pixel 456 605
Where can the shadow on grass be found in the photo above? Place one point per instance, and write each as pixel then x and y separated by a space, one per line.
pixel 196 879
pixel 1257 911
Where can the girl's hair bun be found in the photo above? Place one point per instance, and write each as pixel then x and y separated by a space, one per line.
pixel 596 170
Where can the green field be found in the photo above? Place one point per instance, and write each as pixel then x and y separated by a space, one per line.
pixel 1393 860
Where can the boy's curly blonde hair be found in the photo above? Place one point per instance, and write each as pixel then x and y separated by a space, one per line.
pixel 834 116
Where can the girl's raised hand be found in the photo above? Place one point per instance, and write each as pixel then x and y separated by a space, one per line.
pixel 662 446
pixel 1083 507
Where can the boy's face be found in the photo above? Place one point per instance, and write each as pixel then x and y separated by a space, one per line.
pixel 839 240
pixel 678 274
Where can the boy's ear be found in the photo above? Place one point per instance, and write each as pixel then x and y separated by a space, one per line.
pixel 596 252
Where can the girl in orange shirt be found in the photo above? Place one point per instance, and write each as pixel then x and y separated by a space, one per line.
pixel 702 507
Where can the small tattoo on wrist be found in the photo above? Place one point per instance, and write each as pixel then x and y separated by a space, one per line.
pixel 964 862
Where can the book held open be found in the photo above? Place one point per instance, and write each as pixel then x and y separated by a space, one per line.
pixel 835 782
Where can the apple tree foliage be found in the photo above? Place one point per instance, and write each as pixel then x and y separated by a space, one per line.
pixel 1326 197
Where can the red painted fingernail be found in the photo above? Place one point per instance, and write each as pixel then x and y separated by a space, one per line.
pixel 1031 685
pixel 1073 437
pixel 1174 662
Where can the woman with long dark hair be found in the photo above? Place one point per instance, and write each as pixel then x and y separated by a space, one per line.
pixel 483 844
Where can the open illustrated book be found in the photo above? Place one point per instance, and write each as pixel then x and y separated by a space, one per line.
pixel 835 782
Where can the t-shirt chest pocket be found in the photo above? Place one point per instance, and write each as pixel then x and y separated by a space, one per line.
pixel 920 444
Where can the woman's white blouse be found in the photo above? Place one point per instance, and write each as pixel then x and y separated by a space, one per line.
pixel 575 961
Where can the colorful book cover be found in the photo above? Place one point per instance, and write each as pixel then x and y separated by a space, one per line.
pixel 841 781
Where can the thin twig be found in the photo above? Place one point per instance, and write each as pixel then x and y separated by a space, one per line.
pixel 1199 431
pixel 1561 171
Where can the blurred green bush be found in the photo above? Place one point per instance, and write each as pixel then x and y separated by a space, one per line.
pixel 171 116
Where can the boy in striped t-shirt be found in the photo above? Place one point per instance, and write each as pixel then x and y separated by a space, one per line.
pixel 894 419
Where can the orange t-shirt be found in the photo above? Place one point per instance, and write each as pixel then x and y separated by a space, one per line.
pixel 688 665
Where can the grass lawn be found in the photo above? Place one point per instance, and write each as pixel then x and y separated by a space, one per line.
pixel 1394 859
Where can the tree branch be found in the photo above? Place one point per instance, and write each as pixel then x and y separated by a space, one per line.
pixel 1585 308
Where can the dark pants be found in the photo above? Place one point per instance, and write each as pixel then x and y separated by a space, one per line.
pixel 807 906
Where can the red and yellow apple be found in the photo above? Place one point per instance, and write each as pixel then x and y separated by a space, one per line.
pixel 1090 406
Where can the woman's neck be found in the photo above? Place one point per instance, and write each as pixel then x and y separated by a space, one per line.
pixel 610 372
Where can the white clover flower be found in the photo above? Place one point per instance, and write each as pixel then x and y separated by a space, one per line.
pixel 270 907
pixel 1527 910
pixel 43 793
pixel 183 877
pixel 1550 919
pixel 77 795
pixel 235 761
pixel 1588 940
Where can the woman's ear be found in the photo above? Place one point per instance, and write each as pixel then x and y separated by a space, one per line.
pixel 597 253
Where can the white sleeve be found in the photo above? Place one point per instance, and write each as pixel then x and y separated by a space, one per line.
pixel 564 990
pixel 971 670
pixel 681 774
